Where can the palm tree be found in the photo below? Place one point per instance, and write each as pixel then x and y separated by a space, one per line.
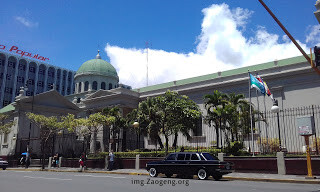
pixel 148 117
pixel 236 101
pixel 215 105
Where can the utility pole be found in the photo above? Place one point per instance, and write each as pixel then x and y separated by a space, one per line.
pixel 289 35
pixel 147 48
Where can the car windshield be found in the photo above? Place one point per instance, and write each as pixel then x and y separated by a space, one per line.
pixel 209 157
pixel 171 157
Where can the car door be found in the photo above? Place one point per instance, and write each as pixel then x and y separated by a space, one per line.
pixel 194 163
pixel 180 163
pixel 187 166
pixel 169 164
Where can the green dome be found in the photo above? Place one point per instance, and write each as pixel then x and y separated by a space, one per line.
pixel 97 67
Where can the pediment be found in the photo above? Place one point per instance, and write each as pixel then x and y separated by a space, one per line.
pixel 50 99
pixel 100 93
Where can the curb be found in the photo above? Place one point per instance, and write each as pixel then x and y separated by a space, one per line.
pixel 135 173
pixel 273 180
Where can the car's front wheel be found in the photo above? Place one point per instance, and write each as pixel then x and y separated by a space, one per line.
pixel 153 172
pixel 4 168
pixel 202 174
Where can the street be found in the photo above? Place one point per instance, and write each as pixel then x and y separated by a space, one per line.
pixel 36 181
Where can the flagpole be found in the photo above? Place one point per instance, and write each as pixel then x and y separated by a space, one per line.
pixel 251 115
pixel 265 116
pixel 258 118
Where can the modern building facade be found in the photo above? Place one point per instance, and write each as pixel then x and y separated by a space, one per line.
pixel 38 77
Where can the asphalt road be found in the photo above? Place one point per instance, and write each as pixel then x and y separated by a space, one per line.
pixel 37 181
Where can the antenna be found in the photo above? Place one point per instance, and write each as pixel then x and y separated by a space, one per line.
pixel 147 47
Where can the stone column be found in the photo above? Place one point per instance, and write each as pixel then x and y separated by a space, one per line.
pixel 221 156
pixel 60 162
pixel 281 163
pixel 137 162
pixel 49 163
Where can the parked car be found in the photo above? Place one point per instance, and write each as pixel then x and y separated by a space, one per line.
pixel 3 164
pixel 190 163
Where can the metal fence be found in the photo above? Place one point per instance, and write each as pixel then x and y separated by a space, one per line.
pixel 286 129
pixel 265 137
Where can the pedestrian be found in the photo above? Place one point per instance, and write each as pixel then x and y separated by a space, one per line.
pixel 55 160
pixel 28 159
pixel 82 161
pixel 111 160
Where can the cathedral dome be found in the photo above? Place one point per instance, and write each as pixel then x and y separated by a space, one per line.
pixel 97 66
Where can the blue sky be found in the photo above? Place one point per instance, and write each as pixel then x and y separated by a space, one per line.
pixel 188 38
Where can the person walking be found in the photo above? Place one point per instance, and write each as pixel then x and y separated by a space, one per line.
pixel 27 160
pixel 55 160
pixel 82 162
pixel 111 160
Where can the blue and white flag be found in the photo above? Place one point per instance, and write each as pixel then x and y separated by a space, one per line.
pixel 254 82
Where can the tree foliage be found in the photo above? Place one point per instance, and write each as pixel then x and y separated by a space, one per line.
pixel 47 125
pixel 227 113
pixel 93 124
pixel 5 126
pixel 167 115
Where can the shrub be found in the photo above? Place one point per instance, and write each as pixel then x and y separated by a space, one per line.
pixel 270 145
pixel 235 148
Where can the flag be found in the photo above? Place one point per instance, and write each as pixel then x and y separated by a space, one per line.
pixel 254 82
pixel 259 78
pixel 266 88
pixel 268 92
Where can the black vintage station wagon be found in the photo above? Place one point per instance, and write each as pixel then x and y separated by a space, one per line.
pixel 190 163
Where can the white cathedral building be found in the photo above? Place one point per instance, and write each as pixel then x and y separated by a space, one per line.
pixel 96 86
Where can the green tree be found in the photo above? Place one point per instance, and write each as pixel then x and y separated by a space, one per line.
pixel 167 115
pixel 119 122
pixel 48 126
pixel 236 102
pixel 214 105
pixel 75 126
pixel 5 125
pixel 149 120
pixel 93 124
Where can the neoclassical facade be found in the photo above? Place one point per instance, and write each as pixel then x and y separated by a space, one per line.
pixel 292 81
pixel 38 77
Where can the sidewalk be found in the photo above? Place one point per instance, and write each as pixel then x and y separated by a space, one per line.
pixel 232 176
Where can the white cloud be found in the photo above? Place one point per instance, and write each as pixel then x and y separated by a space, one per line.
pixel 314 35
pixel 26 22
pixel 220 46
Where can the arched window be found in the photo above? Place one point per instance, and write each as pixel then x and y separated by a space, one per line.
pixel 79 87
pixel 103 85
pixel 94 85
pixel 86 86
pixel 110 86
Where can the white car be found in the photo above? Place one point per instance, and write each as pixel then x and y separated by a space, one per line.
pixel 3 164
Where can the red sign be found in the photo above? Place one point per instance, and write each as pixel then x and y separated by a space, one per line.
pixel 16 50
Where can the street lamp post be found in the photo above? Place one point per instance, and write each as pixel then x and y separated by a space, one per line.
pixel 136 125
pixel 275 109
pixel 30 125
